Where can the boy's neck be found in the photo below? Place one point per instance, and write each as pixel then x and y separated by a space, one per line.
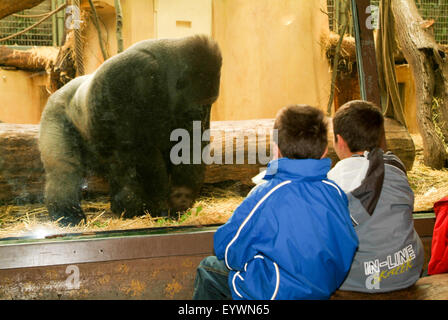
pixel 350 154
pixel 359 153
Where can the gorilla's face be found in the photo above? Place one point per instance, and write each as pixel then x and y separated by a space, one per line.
pixel 207 86
pixel 199 86
pixel 200 72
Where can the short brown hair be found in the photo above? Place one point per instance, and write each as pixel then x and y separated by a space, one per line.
pixel 302 132
pixel 360 124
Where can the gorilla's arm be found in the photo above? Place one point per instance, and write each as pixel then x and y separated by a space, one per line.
pixel 61 152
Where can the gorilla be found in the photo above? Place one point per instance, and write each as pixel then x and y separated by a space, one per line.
pixel 116 123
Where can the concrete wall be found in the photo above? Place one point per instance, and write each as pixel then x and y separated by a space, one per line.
pixel 181 18
pixel 138 24
pixel 22 96
pixel 272 56
pixel 144 19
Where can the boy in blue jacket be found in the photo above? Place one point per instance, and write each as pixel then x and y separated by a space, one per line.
pixel 292 237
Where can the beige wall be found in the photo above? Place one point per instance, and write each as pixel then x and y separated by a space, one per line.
pixel 138 24
pixel 138 21
pixel 181 18
pixel 93 57
pixel 144 19
pixel 22 96
pixel 272 56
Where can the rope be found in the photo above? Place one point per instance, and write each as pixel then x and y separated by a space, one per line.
pixel 29 15
pixel 335 68
pixel 336 61
pixel 386 64
pixel 48 15
pixel 359 57
pixel 78 46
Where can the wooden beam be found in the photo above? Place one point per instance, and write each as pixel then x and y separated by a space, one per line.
pixel 367 45
pixel 8 7
pixel 365 50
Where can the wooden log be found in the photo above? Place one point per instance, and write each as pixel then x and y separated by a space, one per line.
pixel 35 59
pixel 22 174
pixel 398 140
pixel 430 72
pixel 21 171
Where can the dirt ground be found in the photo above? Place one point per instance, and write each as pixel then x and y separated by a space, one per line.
pixel 215 205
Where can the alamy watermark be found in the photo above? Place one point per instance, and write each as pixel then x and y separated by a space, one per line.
pixel 72 282
pixel 73 20
pixel 236 148
pixel 373 20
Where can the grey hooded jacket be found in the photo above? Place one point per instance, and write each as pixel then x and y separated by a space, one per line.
pixel 390 255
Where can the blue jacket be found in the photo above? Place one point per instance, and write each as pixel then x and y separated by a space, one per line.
pixel 292 238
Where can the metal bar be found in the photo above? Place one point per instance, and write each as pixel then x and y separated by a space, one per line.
pixel 60 20
pixel 366 58
pixel 105 249
pixel 359 58
pixel 53 23
pixel 110 233
pixel 365 51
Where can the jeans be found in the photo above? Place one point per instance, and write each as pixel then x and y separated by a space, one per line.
pixel 211 280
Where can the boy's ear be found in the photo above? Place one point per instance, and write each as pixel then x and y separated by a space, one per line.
pixel 341 142
pixel 277 152
pixel 341 148
pixel 325 153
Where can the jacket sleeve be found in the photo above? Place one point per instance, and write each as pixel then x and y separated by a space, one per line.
pixel 233 242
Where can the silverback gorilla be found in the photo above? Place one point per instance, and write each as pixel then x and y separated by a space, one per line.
pixel 117 123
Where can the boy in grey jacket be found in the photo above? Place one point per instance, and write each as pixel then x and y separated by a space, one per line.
pixel 390 255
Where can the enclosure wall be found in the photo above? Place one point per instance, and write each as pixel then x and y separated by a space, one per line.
pixel 22 96
pixel 272 56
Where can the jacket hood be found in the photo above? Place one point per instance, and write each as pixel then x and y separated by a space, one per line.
pixel 298 169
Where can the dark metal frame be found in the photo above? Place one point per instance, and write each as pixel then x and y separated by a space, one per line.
pixel 152 266
pixel 178 242
pixel 62 252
